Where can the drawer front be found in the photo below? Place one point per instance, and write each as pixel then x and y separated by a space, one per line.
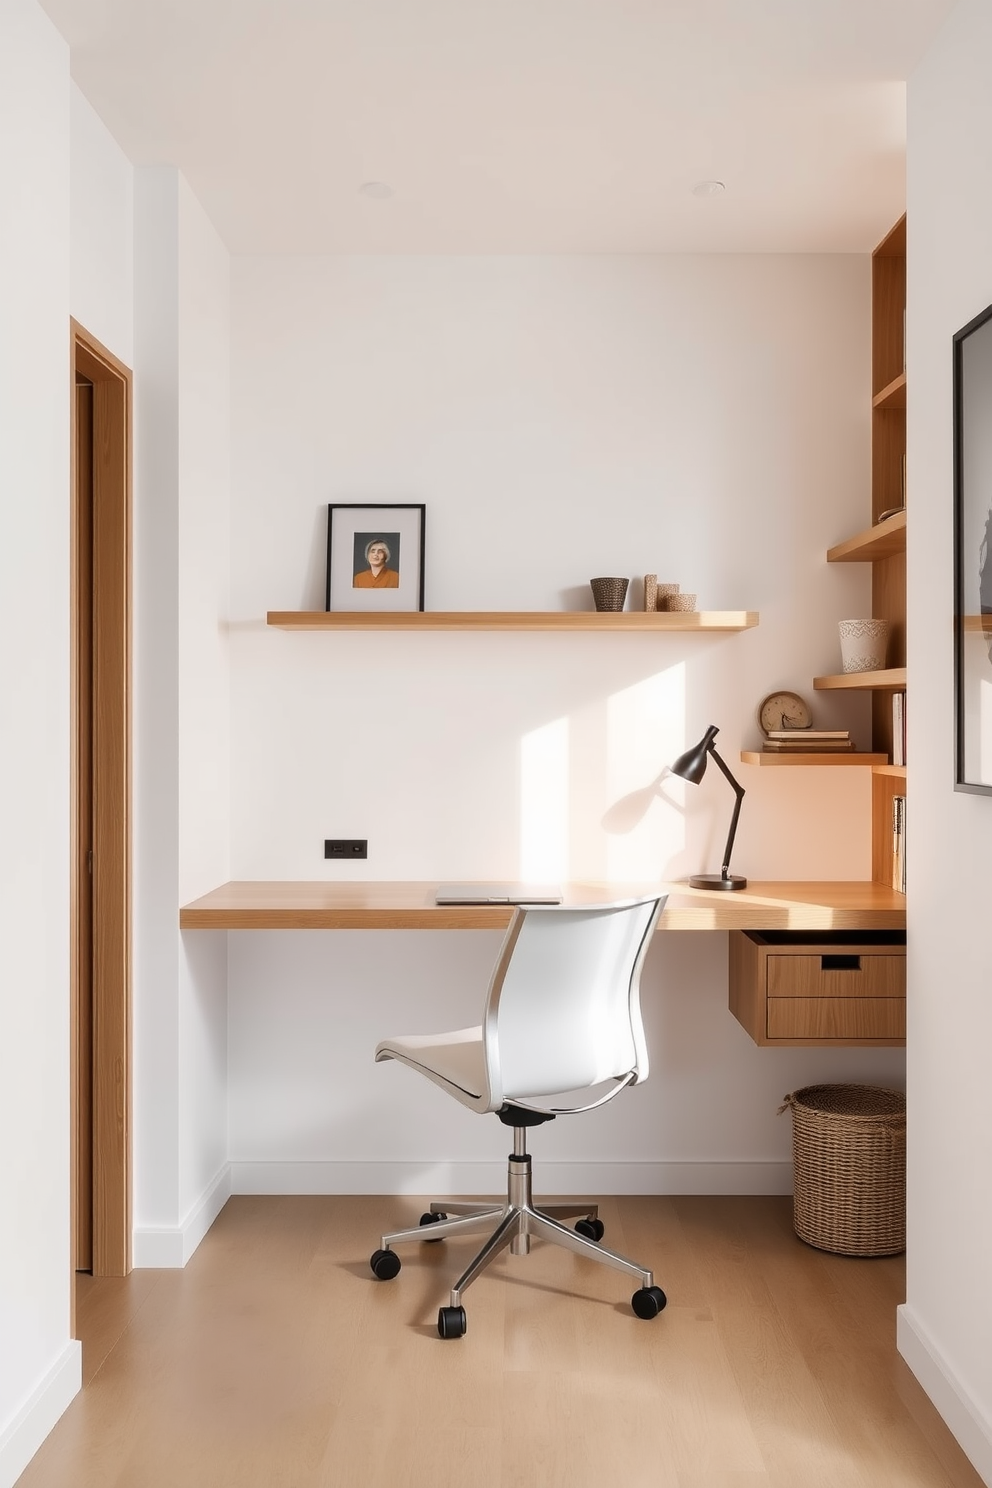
pixel 836 974
pixel 836 1018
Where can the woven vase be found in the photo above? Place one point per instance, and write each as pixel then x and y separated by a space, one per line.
pixel 686 603
pixel 609 594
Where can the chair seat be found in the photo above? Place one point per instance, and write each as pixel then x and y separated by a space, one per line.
pixel 455 1060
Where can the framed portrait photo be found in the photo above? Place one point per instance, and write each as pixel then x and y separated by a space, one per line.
pixel 973 555
pixel 375 557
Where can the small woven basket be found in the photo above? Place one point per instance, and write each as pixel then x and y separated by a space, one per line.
pixel 849 1160
pixel 609 594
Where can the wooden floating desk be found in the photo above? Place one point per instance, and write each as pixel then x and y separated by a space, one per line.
pixel 283 905
pixel 806 909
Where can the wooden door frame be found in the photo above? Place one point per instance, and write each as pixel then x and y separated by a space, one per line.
pixel 111 826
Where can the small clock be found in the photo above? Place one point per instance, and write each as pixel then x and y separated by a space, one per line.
pixel 783 710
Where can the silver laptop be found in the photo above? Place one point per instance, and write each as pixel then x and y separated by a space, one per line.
pixel 498 893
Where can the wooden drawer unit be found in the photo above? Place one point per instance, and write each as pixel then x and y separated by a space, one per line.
pixel 833 987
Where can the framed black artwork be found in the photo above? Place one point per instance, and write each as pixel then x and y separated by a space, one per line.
pixel 375 556
pixel 972 557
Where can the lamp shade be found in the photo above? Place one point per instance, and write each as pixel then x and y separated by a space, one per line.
pixel 691 766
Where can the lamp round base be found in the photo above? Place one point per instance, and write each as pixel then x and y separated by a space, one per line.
pixel 717 881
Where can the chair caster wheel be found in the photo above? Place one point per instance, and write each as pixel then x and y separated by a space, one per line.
pixel 385 1264
pixel 592 1229
pixel 429 1219
pixel 648 1302
pixel 451 1322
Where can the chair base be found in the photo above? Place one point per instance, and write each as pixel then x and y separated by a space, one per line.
pixel 512 1225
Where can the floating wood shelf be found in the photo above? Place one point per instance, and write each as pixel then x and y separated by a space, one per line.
pixel 893 395
pixel 808 757
pixel 893 679
pixel 899 771
pixel 624 621
pixel 880 541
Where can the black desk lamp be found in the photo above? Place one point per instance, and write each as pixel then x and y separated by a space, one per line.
pixel 691 766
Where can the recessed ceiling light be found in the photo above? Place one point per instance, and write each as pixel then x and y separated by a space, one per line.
pixel 708 188
pixel 378 190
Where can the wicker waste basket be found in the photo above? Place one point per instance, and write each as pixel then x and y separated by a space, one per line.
pixel 849 1160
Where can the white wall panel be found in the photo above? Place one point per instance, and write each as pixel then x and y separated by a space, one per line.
pixel 39 1364
pixel 947 1321
pixel 704 419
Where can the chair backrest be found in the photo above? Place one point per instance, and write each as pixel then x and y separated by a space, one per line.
pixel 563 1010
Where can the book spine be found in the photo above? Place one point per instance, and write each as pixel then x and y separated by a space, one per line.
pixel 898 728
pixel 899 843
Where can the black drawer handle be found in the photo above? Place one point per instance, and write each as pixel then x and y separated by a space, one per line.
pixel 840 963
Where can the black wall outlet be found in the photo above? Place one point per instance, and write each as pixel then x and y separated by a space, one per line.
pixel 346 847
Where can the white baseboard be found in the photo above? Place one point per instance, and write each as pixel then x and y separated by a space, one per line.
pixel 970 1428
pixel 171 1248
pixel 26 1431
pixel 490 1178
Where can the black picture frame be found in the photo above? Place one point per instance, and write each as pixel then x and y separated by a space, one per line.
pixel 354 582
pixel 972 395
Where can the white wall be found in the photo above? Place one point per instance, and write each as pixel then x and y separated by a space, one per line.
pixel 101 286
pixel 181 713
pixel 39 1365
pixel 945 1326
pixel 703 418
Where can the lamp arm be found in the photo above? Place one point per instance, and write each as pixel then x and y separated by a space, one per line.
pixel 739 793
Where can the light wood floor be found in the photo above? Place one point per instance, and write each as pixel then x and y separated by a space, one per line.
pixel 275 1360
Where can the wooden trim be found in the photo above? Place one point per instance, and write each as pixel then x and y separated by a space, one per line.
pixel 111 876
pixel 567 620
pixel 81 899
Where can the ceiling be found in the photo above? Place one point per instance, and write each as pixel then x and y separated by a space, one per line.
pixel 515 126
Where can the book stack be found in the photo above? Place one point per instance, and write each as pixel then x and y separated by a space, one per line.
pixel 808 741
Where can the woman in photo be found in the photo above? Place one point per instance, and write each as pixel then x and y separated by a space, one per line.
pixel 378 575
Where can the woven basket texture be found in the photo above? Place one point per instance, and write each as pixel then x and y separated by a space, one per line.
pixel 849 1160
pixel 609 594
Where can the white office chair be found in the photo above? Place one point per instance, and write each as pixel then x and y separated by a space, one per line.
pixel 562 1019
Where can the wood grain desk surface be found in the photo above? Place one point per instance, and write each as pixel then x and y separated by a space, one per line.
pixel 286 905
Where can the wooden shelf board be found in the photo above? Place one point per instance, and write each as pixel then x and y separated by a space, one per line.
pixel 880 541
pixel 893 395
pixel 565 620
pixel 893 679
pixel 976 624
pixel 809 757
pixel 899 771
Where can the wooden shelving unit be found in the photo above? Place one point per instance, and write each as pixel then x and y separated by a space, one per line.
pixel 809 757
pixel 883 544
pixel 624 622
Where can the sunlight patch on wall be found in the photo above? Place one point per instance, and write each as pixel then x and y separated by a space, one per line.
pixel 544 775
pixel 645 732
